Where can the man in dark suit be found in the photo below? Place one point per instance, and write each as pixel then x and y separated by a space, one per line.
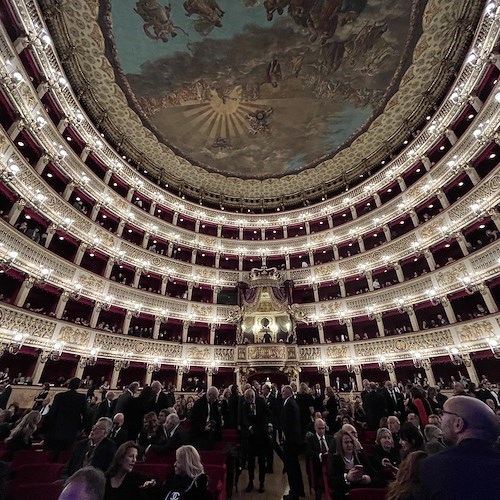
pixel 206 423
pixel 316 453
pixel 96 451
pixel 106 407
pixel 6 389
pixel 486 392
pixel 176 436
pixel 374 407
pixel 66 417
pixel 255 419
pixel 274 407
pixel 471 427
pixel 393 400
pixel 160 399
pixel 318 398
pixel 124 404
pixel 118 434
pixel 290 424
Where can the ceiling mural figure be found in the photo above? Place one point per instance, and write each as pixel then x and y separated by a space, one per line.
pixel 261 88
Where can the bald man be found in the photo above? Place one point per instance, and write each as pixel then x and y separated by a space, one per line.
pixel 206 422
pixel 470 468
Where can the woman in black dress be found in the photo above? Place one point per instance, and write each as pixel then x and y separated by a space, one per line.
pixel 41 397
pixel 122 483
pixel 189 481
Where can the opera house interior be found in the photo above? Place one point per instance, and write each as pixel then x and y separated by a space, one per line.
pixel 220 192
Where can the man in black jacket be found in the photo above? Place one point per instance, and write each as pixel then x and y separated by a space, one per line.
pixel 96 451
pixel 176 436
pixel 206 423
pixel 255 419
pixel 160 399
pixel 290 424
pixel 64 421
pixel 472 428
pixel 317 453
pixel 106 407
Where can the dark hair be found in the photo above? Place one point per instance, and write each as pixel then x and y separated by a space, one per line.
pixel 411 434
pixel 119 456
pixel 407 480
pixel 416 393
pixel 74 383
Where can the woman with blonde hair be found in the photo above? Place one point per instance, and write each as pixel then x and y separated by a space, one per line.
pixel 21 436
pixel 189 481
pixel 385 458
pixel 407 483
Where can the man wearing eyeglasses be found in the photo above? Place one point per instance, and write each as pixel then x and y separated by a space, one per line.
pixel 471 428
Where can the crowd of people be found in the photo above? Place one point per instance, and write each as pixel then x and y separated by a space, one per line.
pixel 413 431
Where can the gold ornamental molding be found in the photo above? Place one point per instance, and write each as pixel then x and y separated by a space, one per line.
pixel 272 353
pixel 476 331
pixel 77 336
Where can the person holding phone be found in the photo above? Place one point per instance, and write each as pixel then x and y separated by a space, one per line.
pixel 349 468
pixel 385 458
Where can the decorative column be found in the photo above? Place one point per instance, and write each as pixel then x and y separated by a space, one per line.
pixel 212 335
pixel 378 201
pixel 16 211
pixel 126 322
pixel 402 184
pixel 461 242
pixel 109 267
pixel 79 369
pixel 149 377
pixel 170 249
pixel 120 228
pixel 137 277
pixel 185 329
pixel 190 291
pixel 175 218
pixel 329 218
pixel 472 173
pixel 426 163
pixel 321 333
pixel 95 211
pixel 336 254
pixel 342 288
pixel 399 272
pixel 178 382
pixel 193 256
pixel 115 376
pixel 51 230
pixel 429 374
pixel 164 281
pixel 130 194
pixel 24 290
pixel 471 369
pixel 414 218
pixel 80 253
pixel 315 292
pixel 209 379
pixel 392 375
pixel 488 298
pixel 39 366
pixel 380 324
pixel 307 227
pixel 369 279
pixel 156 328
pixel 443 199
pixel 350 330
pixel 41 164
pixel 107 176
pixel 353 212
pixel 387 232
pixel 95 315
pixel 68 191
pixel 430 259
pixel 413 319
pixel 361 244
pixel 451 136
pixel 152 208
pixel 448 309
pixel 61 304
pixel 145 240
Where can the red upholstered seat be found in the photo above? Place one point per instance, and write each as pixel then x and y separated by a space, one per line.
pixel 37 473
pixel 23 457
pixel 216 480
pixel 157 471
pixel 328 489
pixel 155 458
pixel 40 491
pixel 213 457
pixel 368 437
pixel 230 435
pixel 368 493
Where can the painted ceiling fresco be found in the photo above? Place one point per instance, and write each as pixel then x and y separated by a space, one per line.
pixel 261 88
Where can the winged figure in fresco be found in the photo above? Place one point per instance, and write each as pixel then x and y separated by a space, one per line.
pixel 209 14
pixel 157 19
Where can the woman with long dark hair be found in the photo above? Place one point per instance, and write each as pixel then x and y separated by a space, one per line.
pixel 407 483
pixel 21 436
pixel 122 483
